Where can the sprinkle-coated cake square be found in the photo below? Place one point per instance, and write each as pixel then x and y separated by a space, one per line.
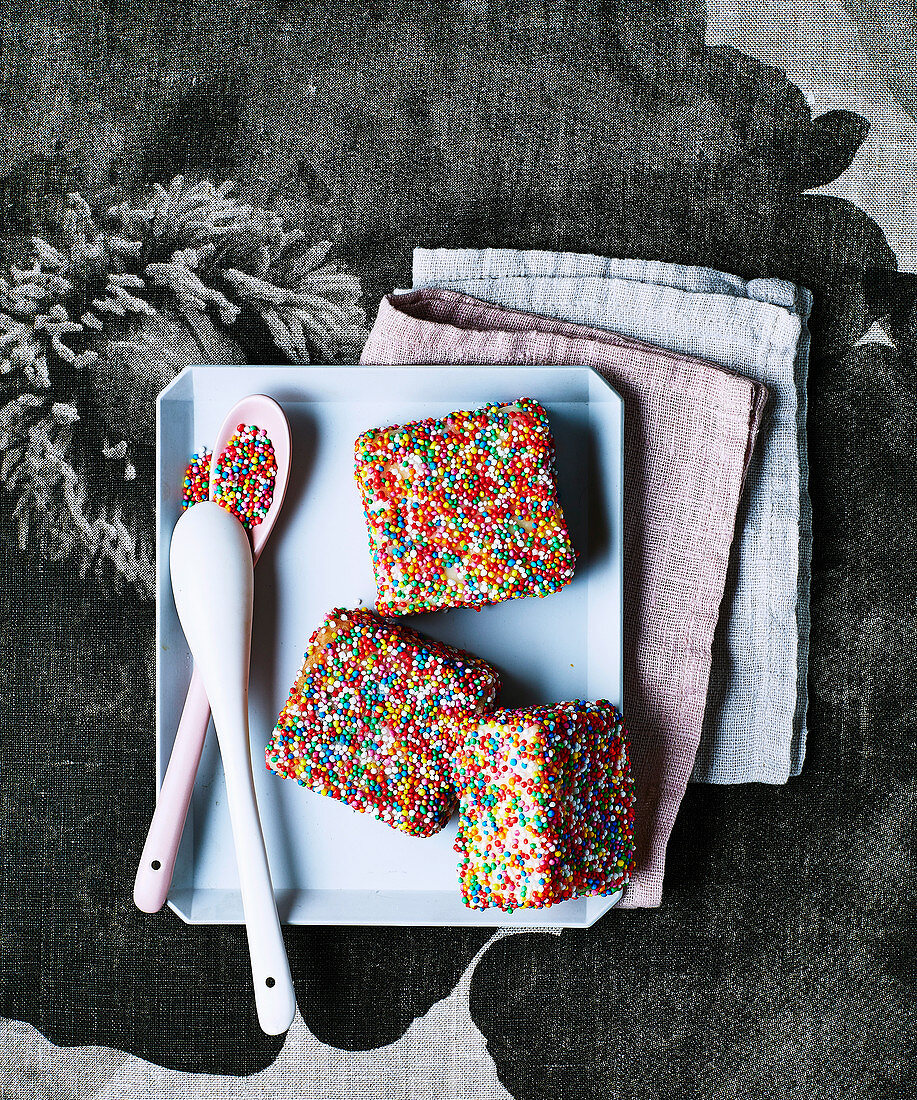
pixel 546 806
pixel 373 716
pixel 462 511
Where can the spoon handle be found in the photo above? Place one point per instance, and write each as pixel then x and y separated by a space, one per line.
pixel 210 560
pixel 275 999
pixel 157 863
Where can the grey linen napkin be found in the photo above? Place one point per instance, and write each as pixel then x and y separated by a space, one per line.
pixel 754 726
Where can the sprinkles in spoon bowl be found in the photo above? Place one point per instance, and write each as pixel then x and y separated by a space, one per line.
pixel 243 476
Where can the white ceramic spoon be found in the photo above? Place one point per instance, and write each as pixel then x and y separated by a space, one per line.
pixel 213 584
pixel 157 862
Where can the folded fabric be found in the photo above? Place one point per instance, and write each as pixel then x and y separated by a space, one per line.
pixel 432 266
pixel 689 430
pixel 754 729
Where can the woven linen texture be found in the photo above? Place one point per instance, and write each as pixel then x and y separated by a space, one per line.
pixel 754 730
pixel 781 964
pixel 443 1054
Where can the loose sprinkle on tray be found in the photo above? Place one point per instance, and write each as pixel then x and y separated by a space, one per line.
pixel 196 485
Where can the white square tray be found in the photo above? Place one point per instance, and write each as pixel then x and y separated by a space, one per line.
pixel 331 865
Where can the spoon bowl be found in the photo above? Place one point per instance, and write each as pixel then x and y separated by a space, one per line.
pixel 267 414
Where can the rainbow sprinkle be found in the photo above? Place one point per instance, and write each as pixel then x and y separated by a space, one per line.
pixel 372 719
pixel 243 477
pixel 546 806
pixel 463 511
pixel 196 486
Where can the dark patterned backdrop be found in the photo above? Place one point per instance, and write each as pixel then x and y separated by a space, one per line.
pixel 782 961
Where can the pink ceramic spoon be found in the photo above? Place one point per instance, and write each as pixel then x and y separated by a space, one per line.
pixel 154 873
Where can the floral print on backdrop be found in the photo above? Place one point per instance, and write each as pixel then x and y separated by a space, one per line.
pixel 95 324
pixel 599 127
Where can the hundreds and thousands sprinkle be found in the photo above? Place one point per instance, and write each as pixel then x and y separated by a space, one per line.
pixel 547 806
pixel 373 717
pixel 462 511
pixel 196 486
pixel 244 476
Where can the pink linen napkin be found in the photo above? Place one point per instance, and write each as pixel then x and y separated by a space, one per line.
pixel 689 431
